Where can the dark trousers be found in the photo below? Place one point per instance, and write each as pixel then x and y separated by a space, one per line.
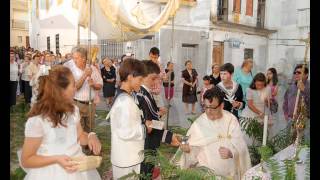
pixel 21 86
pixel 27 92
pixel 13 92
pixel 146 169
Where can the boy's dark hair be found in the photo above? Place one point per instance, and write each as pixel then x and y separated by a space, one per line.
pixel 187 61
pixel 131 66
pixel 206 78
pixel 299 66
pixel 151 67
pixel 258 77
pixel 227 67
pixel 155 51
pixel 214 92
pixel 168 63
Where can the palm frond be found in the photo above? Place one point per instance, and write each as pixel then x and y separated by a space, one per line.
pixel 290 166
pixel 252 128
pixel 275 169
pixel 132 175
pixel 307 168
pixel 197 173
pixel 170 170
pixel 265 152
pixel 191 120
pixel 254 155
pixel 282 140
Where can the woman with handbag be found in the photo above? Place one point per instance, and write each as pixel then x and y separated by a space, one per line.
pixel 258 96
pixel 189 79
pixel 272 81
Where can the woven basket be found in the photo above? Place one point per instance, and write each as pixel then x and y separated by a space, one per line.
pixel 86 163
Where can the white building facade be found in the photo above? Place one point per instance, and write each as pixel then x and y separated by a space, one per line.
pixel 19 23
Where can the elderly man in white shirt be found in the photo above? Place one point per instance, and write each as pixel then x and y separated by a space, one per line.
pixel 25 78
pixel 88 81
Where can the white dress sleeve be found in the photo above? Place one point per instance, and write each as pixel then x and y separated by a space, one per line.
pixel 249 94
pixel 34 127
pixel 76 114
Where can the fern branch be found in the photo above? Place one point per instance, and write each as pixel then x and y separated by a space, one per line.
pixel 307 168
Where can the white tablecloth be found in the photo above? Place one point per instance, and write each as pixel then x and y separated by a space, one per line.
pixel 286 153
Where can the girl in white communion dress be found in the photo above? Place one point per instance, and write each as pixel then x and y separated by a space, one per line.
pixel 53 133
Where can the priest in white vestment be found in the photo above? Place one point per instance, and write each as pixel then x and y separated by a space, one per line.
pixel 216 141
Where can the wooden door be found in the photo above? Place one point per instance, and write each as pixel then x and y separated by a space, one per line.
pixel 217 53
pixel 27 42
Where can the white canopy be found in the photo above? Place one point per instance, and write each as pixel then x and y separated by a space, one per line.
pixel 124 20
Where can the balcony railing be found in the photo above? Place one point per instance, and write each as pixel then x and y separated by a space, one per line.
pixel 303 18
pixel 20 24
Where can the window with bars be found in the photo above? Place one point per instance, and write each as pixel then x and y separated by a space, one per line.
pixel 111 49
pixel 48 43
pixel 57 43
pixel 248 53
pixel 140 48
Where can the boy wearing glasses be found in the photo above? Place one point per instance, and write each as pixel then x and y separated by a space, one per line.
pixel 216 141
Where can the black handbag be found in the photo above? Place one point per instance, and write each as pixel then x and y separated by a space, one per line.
pixel 273 106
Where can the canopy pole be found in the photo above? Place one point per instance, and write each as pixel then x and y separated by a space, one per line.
pixel 90 61
pixel 295 117
pixel 78 35
pixel 169 78
pixel 307 41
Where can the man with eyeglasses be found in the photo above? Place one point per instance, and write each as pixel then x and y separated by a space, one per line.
pixel 300 82
pixel 216 141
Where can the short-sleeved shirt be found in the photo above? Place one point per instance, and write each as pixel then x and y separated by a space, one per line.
pixel 32 70
pixel 14 70
pixel 107 75
pixel 166 84
pixel 24 73
pixel 83 93
pixel 243 79
pixel 214 80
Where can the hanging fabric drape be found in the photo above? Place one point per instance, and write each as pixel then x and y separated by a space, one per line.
pixel 112 17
